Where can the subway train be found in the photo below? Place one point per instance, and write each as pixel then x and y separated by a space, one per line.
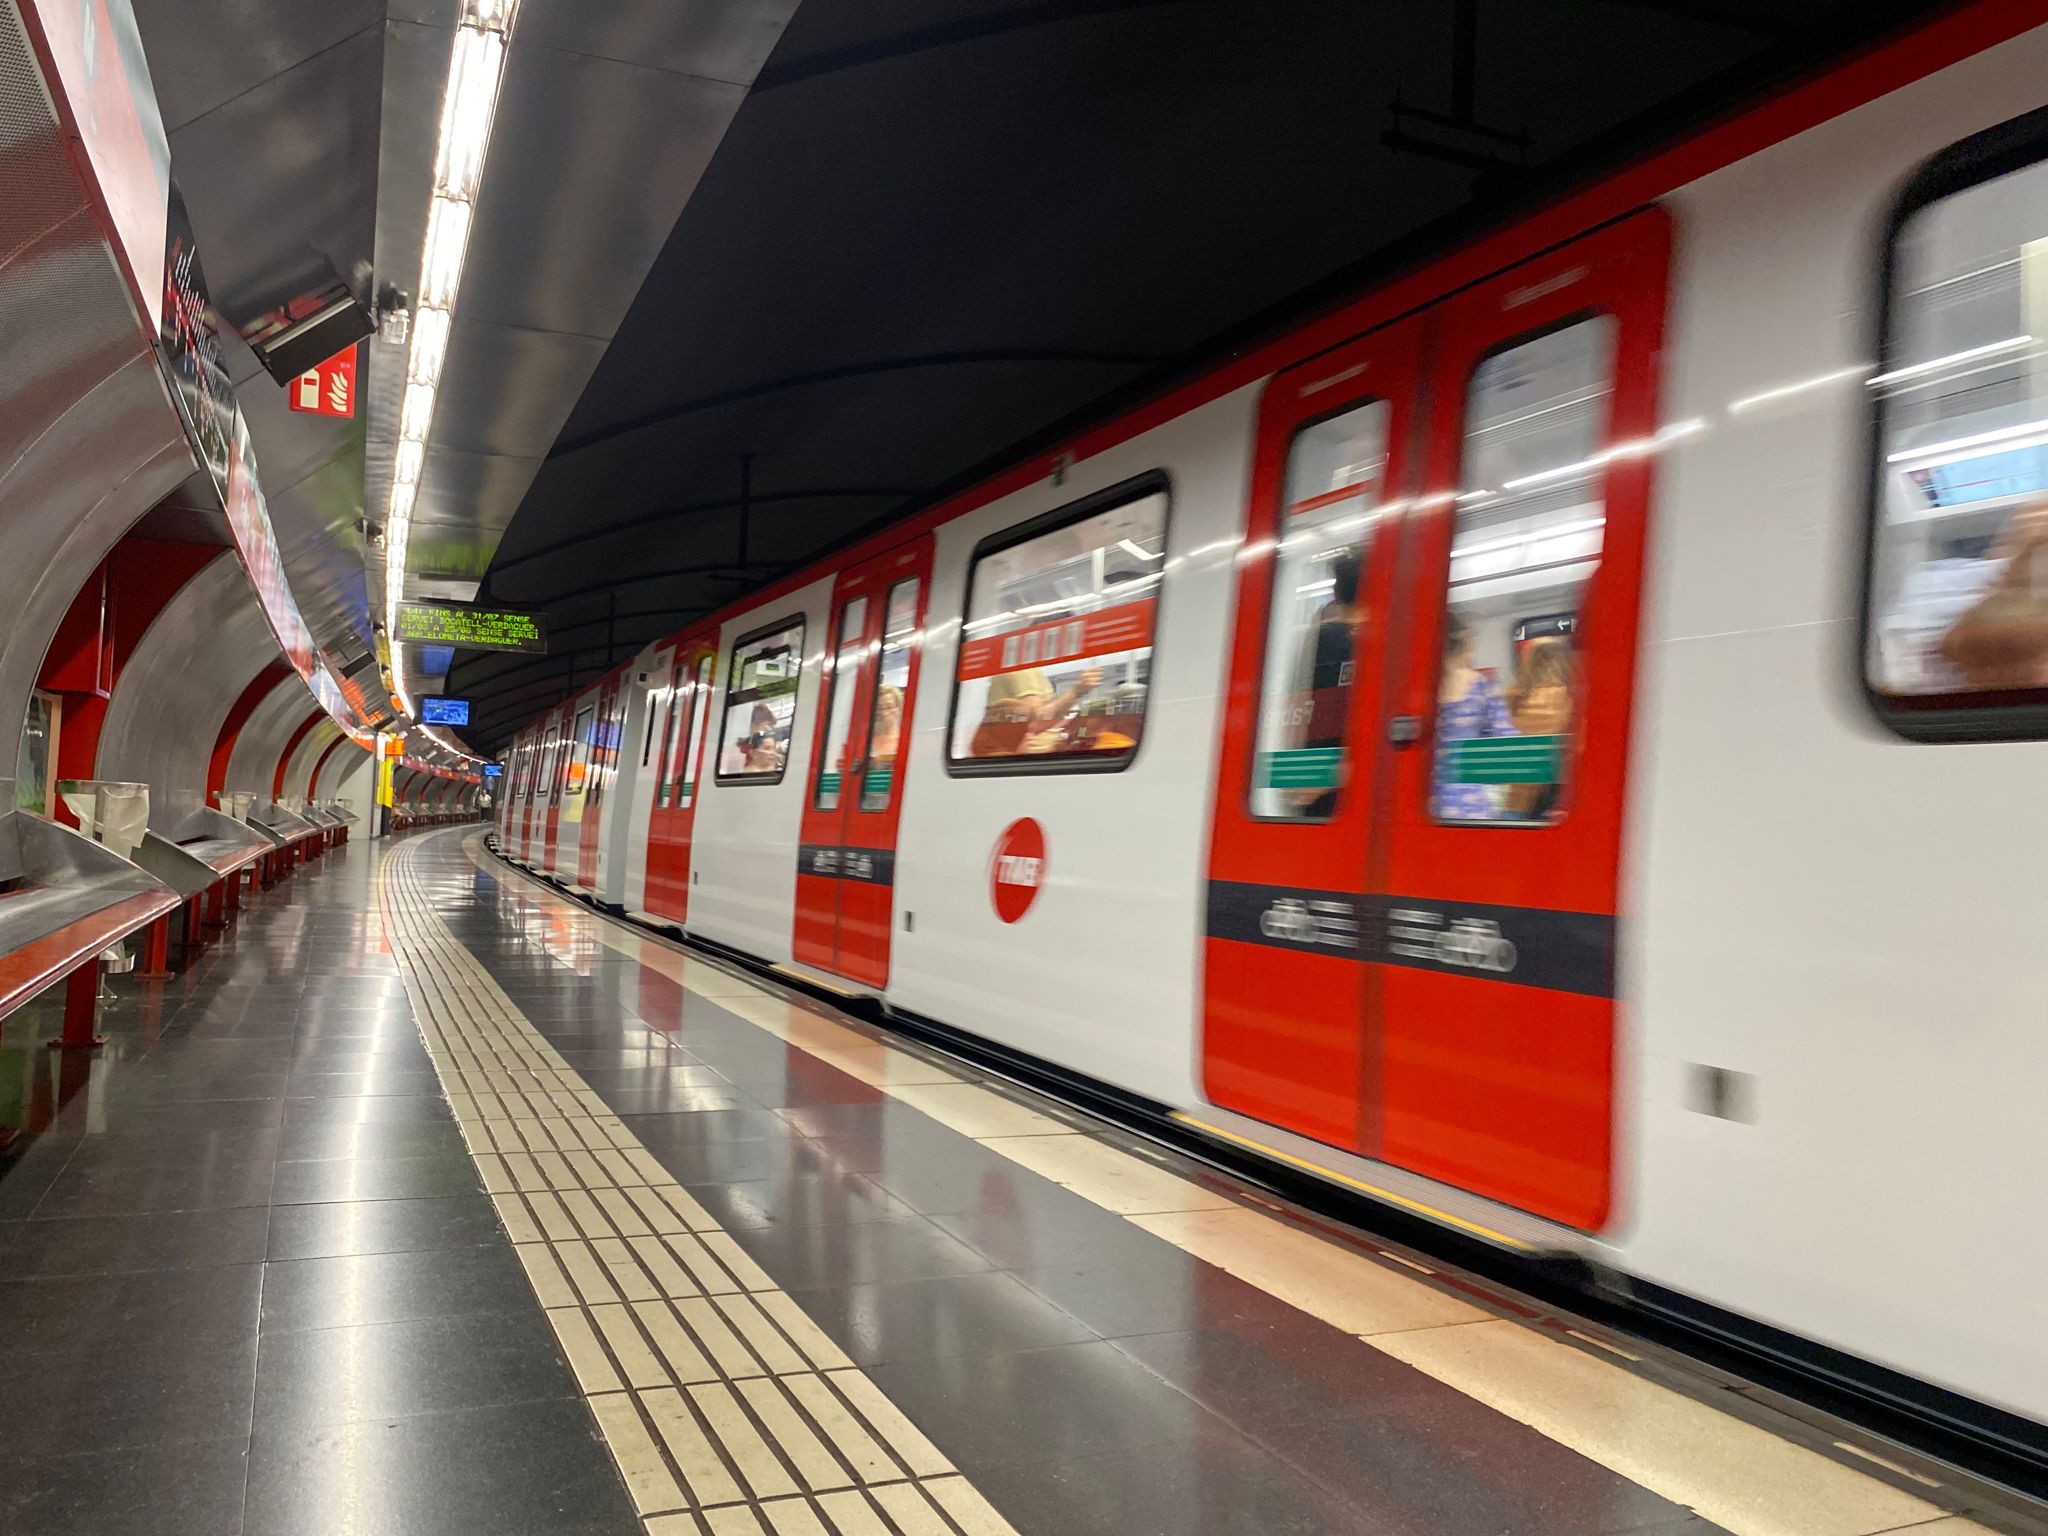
pixel 1553 742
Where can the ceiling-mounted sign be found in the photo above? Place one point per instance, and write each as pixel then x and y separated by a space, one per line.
pixel 435 710
pixel 471 629
pixel 328 390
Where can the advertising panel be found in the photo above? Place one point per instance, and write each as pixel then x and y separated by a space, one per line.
pixel 189 339
pixel 102 79
pixel 256 540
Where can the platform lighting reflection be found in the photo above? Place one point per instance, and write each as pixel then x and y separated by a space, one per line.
pixel 1798 387
pixel 476 68
pixel 1968 355
pixel 1635 448
pixel 2028 434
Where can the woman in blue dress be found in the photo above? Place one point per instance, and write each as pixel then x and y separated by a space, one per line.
pixel 1469 705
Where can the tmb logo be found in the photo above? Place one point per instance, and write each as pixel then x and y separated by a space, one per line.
pixel 1017 869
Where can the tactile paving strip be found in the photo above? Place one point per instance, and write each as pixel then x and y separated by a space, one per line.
pixel 728 1411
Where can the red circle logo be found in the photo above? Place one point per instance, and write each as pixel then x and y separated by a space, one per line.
pixel 1017 869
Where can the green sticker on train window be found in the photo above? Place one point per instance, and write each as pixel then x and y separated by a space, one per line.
pixel 1301 768
pixel 1503 760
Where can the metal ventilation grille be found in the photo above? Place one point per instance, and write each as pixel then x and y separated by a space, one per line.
pixel 41 190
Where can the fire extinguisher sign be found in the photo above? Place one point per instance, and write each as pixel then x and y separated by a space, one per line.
pixel 329 390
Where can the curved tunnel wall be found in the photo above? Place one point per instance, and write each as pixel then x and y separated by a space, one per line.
pixel 298 768
pixel 252 766
pixel 184 676
pixel 349 774
pixel 89 440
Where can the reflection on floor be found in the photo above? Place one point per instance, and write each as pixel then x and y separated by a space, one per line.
pixel 640 1244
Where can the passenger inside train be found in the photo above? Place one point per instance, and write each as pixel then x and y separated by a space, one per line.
pixel 1962 547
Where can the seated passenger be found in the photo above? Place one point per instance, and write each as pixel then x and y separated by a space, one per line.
pixel 1323 673
pixel 1024 715
pixel 1469 707
pixel 1983 623
pixel 886 739
pixel 760 750
pixel 1542 702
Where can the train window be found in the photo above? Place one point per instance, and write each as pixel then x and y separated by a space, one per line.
pixel 1335 473
pixel 658 700
pixel 885 720
pixel 1956 622
pixel 760 704
pixel 577 778
pixel 691 715
pixel 1527 533
pixel 1056 651
pixel 842 689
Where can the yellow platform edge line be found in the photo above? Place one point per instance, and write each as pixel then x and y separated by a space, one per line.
pixel 1334 1177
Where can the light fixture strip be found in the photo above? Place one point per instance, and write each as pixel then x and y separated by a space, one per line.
pixel 476 69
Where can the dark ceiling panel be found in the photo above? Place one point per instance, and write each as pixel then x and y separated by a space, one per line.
pixel 475 492
pixel 937 229
pixel 507 389
pixel 203 53
pixel 616 147
pixel 717 43
pixel 281 182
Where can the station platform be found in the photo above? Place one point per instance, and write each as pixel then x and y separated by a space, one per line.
pixel 433 1202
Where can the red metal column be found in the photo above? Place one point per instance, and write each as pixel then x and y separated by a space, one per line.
pixel 81 1010
pixel 156 950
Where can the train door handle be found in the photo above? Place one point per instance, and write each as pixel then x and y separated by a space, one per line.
pixel 1404 730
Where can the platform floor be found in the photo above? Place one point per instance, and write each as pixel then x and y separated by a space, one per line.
pixel 431 1202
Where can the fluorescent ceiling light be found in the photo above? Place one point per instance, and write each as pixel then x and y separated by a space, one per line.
pixel 1528 536
pixel 466 112
pixel 1787 391
pixel 1639 448
pixel 447 244
pixel 417 414
pixel 429 345
pixel 1968 355
pixel 2037 439
pixel 476 66
pixel 2004 438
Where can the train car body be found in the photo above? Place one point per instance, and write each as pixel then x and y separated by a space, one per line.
pixel 1463 746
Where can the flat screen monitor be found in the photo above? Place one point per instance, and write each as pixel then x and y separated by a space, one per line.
pixel 437 711
pixel 494 770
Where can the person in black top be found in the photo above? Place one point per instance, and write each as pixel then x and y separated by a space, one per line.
pixel 1329 657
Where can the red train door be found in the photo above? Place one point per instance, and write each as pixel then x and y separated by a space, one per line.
pixel 1286 1030
pixel 846 865
pixel 1481 920
pixel 679 772
pixel 535 818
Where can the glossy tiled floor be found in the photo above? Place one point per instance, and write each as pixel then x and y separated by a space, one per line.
pixel 642 1245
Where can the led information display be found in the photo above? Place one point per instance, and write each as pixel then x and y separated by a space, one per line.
pixel 440 711
pixel 471 629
